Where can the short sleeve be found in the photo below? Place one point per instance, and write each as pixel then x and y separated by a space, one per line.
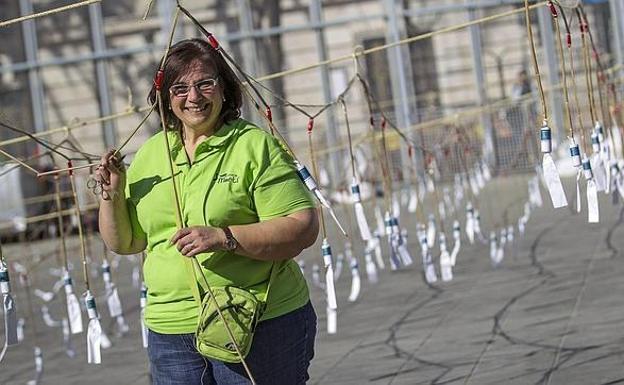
pixel 137 230
pixel 278 191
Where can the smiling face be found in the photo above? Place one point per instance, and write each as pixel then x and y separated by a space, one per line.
pixel 198 111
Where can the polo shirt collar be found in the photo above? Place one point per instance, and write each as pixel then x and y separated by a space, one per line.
pixel 216 140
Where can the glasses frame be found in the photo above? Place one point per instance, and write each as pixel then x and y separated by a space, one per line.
pixel 197 85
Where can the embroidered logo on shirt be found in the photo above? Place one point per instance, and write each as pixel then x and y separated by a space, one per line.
pixel 226 178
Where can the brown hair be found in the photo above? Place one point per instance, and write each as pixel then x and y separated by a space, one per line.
pixel 180 57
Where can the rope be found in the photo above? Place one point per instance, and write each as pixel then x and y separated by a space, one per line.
pixel 48 12
pixel 538 77
pixel 408 40
pixel 566 97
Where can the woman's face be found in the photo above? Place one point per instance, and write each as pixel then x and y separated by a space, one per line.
pixel 194 100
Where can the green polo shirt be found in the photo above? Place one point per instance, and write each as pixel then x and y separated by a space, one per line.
pixel 240 175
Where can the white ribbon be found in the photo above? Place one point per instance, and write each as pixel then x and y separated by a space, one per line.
pixel 431 231
pixel 430 273
pixel 457 243
pixel 20 329
pixel 94 331
pixel 11 325
pixel 578 191
pixel 355 281
pixel 361 221
pixel 112 300
pixel 371 268
pixel 316 277
pixel 329 277
pixel 378 256
pixel 593 213
pixel 553 182
pixel 412 205
pixel 69 349
pixel 338 268
pixel 47 318
pixel 74 313
pixel 143 303
pixel 493 248
pixel 446 263
pixel 45 296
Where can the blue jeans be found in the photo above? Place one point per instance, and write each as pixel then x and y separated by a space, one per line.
pixel 280 354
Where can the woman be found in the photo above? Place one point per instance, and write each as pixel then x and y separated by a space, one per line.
pixel 244 211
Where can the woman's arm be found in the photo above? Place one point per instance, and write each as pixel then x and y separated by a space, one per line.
pixel 272 240
pixel 114 218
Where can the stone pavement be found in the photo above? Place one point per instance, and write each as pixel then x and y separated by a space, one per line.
pixel 550 314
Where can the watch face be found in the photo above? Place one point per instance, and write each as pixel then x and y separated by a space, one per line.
pixel 230 244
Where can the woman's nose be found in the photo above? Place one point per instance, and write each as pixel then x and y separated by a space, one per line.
pixel 194 94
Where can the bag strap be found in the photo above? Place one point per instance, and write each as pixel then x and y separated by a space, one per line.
pixel 193 275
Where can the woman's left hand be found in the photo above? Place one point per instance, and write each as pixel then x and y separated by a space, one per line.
pixel 191 241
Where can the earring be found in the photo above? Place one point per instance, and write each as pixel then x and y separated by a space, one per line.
pixel 223 99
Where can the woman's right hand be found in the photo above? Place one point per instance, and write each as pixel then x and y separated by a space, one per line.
pixel 111 173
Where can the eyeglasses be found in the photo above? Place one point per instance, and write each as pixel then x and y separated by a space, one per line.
pixel 205 87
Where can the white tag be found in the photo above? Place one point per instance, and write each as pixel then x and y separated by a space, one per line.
pixel 10 321
pixel 316 276
pixel 381 227
pixel 122 325
pixel 413 202
pixel 355 281
pixel 20 330
pixel 113 302
pixel 493 248
pixel 470 233
pixel 94 340
pixel 378 256
pixel 329 287
pixel 47 318
pixel 446 268
pixel 69 349
pixel 431 232
pixel 144 330
pixel 553 182
pixel 430 273
pixel 456 246
pixel 396 207
pixel 441 210
pixel 395 263
pixel 599 173
pixel 361 221
pixel 371 268
pixel 46 296
pixel 136 277
pixel 38 363
pixel 593 214
pixel 332 321
pixel 404 254
pixel 338 268
pixel 74 313
pixel 473 185
pixel 578 192
pixel 105 342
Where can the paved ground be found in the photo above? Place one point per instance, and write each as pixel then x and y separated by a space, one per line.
pixel 550 314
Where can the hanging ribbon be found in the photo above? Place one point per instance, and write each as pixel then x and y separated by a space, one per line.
pixel 355 184
pixel 551 174
pixel 8 306
pixel 446 263
pixel 326 252
pixel 115 310
pixel 74 313
pixel 355 279
pixel 457 242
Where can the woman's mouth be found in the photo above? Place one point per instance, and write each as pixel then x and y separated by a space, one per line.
pixel 197 108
